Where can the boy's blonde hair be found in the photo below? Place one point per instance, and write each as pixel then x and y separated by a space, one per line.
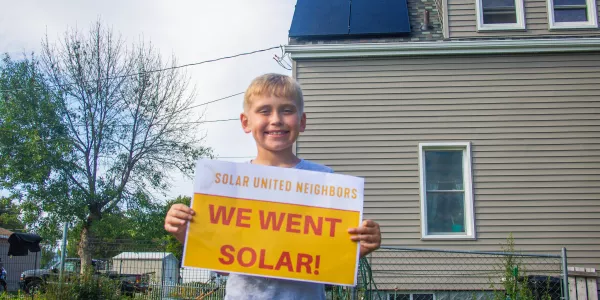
pixel 277 85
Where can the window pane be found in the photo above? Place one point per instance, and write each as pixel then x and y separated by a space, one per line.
pixel 496 18
pixel 444 170
pixel 422 296
pixel 570 15
pixel 445 212
pixel 399 297
pixel 498 3
pixel 70 267
pixel 569 2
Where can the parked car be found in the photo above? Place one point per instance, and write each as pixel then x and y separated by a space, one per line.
pixel 32 280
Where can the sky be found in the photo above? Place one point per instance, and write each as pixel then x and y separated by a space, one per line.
pixel 192 31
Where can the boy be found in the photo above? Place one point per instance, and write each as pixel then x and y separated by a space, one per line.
pixel 274 115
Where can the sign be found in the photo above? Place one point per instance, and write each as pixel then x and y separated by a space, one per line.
pixel 274 222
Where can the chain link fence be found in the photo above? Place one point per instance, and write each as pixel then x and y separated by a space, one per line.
pixel 429 274
pixel 150 270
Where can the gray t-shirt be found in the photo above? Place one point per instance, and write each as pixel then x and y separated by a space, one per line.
pixel 246 287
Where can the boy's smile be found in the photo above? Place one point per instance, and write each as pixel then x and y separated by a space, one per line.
pixel 274 122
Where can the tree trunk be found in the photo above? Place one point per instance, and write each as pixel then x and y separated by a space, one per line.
pixel 85 251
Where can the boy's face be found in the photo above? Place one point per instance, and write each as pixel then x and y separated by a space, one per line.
pixel 274 122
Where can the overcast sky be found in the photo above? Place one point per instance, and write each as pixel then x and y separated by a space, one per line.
pixel 192 30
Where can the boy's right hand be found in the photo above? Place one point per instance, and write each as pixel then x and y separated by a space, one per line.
pixel 176 220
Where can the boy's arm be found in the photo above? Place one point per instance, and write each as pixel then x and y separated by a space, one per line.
pixel 368 235
pixel 176 220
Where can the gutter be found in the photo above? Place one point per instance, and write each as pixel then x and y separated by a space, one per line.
pixel 314 51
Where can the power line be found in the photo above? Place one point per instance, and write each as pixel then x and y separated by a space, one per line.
pixel 195 106
pixel 158 70
pixel 213 101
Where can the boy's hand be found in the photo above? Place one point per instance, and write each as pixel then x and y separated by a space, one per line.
pixel 369 236
pixel 176 220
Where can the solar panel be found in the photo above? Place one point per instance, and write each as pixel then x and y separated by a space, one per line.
pixel 349 18
pixel 320 18
pixel 379 17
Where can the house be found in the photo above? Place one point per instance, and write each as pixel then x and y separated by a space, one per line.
pixel 15 265
pixel 469 119
pixel 162 267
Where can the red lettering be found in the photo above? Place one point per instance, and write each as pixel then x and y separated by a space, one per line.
pixel 224 251
pixel 291 223
pixel 332 221
pixel 240 257
pixel 285 261
pixel 310 223
pixel 261 262
pixel 221 214
pixel 303 260
pixel 271 220
pixel 240 217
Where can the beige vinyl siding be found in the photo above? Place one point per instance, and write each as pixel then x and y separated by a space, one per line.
pixel 462 21
pixel 534 125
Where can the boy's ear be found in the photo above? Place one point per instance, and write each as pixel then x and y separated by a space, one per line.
pixel 244 120
pixel 303 122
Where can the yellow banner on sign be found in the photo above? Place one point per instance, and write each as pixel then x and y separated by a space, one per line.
pixel 272 239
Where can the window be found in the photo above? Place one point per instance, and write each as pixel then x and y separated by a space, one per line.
pixel 500 15
pixel 566 14
pixel 396 296
pixel 446 191
pixel 71 266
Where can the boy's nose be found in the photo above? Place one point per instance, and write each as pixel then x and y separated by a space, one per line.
pixel 275 118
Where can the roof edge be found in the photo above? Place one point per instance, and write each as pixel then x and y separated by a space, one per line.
pixel 312 51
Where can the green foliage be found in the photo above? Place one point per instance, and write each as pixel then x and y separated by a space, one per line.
pixel 88 286
pixel 9 215
pixel 33 142
pixel 515 284
pixel 33 139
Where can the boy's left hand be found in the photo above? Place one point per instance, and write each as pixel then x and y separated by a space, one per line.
pixel 369 236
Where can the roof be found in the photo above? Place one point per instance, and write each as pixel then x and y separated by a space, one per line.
pixel 143 255
pixel 5 233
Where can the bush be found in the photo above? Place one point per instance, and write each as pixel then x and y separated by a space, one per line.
pixel 85 287
pixel 516 284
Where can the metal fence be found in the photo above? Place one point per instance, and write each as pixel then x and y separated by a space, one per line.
pixel 430 274
pixel 151 270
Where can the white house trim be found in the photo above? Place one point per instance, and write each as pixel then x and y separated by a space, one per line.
pixel 468 190
pixel 591 23
pixel 315 51
pixel 446 26
pixel 519 25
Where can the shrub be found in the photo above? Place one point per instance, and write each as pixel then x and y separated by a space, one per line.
pixel 87 286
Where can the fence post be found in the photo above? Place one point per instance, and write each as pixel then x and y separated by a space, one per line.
pixel 565 274
pixel 63 250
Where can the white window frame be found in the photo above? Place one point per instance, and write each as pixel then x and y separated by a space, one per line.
pixel 391 295
pixel 591 23
pixel 468 188
pixel 519 25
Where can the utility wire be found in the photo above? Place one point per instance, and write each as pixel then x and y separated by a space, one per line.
pixel 157 70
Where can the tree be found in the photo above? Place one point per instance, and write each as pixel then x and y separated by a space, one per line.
pixel 9 215
pixel 33 139
pixel 127 126
pixel 139 229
